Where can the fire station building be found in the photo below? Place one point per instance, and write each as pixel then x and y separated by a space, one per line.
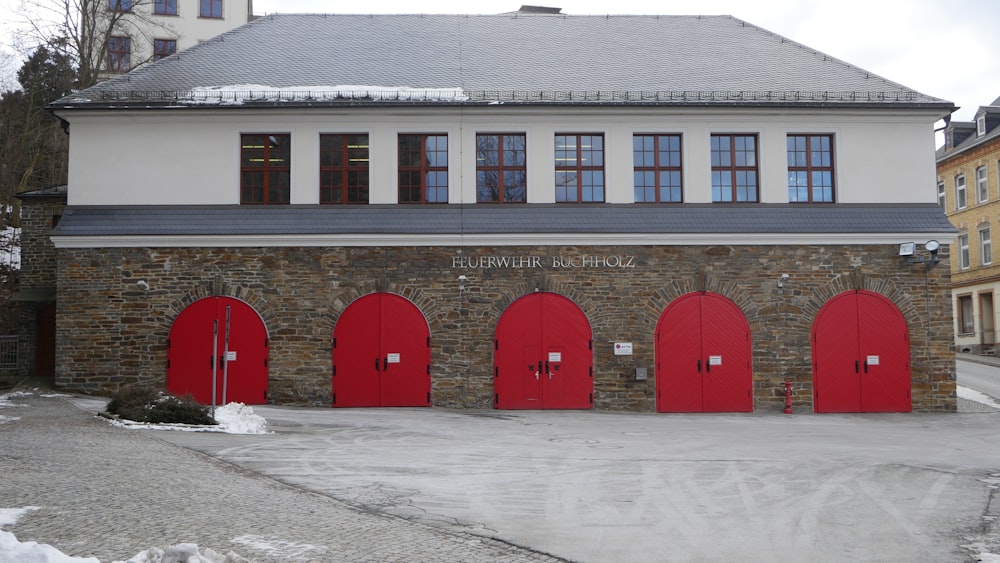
pixel 516 211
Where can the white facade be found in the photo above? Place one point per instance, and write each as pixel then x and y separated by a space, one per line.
pixel 191 156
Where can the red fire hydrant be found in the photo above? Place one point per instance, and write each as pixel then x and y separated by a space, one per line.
pixel 788 397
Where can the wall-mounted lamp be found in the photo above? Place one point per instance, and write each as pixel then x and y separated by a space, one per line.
pixel 782 279
pixel 143 284
pixel 908 250
pixel 462 280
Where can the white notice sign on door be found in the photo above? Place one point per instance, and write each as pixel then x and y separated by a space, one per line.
pixel 873 360
pixel 715 360
pixel 555 356
pixel 231 356
pixel 392 358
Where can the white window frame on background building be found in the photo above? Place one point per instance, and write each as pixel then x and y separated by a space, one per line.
pixel 982 185
pixel 961 201
pixel 963 252
pixel 985 246
pixel 980 125
pixel 966 315
pixel 941 198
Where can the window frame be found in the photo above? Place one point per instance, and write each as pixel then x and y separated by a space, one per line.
pixel 961 196
pixel 980 125
pixel 119 50
pixel 425 168
pixel 810 168
pixel 732 168
pixel 502 169
pixel 966 319
pixel 266 170
pixel 658 168
pixel 211 12
pixel 160 53
pixel 163 7
pixel 350 149
pixel 123 6
pixel 985 245
pixel 982 184
pixel 574 175
pixel 942 199
pixel 963 252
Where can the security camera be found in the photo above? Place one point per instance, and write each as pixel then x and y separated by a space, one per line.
pixel 784 277
pixel 463 278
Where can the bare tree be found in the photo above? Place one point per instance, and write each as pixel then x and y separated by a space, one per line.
pixel 85 29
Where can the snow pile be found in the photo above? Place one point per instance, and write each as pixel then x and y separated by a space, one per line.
pixel 183 553
pixel 33 552
pixel 234 418
pixel 5 402
pixel 237 94
pixel 10 247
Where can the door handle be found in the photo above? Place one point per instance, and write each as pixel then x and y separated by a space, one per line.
pixel 385 364
pixel 699 366
pixel 866 366
pixel 376 364
pixel 708 366
pixel 855 366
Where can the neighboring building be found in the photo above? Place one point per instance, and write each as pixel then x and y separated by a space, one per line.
pixel 149 30
pixel 646 213
pixel 968 176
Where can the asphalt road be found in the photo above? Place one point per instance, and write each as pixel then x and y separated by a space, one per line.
pixel 981 377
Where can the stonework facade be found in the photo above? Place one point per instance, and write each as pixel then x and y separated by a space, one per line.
pixel 112 330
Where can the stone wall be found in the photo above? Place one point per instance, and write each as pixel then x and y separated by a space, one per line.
pixel 113 331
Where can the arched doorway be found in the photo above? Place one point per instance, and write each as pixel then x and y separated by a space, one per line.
pixel 381 354
pixel 861 355
pixel 220 339
pixel 703 356
pixel 543 355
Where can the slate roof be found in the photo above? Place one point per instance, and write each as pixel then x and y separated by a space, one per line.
pixel 565 59
pixel 247 220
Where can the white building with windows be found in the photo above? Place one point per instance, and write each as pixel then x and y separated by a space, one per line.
pixel 660 213
pixel 149 30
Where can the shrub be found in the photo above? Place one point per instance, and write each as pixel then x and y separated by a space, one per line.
pixel 148 404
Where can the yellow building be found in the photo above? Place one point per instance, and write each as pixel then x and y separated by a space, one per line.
pixel 968 180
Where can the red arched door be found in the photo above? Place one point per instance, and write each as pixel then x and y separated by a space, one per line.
pixel 861 355
pixel 703 356
pixel 543 355
pixel 381 354
pixel 198 352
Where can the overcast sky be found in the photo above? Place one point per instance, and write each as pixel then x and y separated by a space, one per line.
pixel 949 49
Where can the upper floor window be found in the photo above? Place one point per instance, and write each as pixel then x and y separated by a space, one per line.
pixel 960 201
pixel 119 53
pixel 981 125
pixel 985 247
pixel 941 193
pixel 210 8
pixel 501 172
pixel 423 168
pixel 810 168
pixel 579 168
pixel 734 168
pixel 963 252
pixel 656 161
pixel 343 168
pixel 982 185
pixel 163 48
pixel 120 5
pixel 165 7
pixel 265 168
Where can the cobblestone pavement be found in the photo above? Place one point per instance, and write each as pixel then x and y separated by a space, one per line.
pixel 110 493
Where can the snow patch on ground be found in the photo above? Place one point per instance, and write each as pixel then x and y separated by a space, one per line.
pixel 976 396
pixel 275 547
pixel 184 553
pixel 234 418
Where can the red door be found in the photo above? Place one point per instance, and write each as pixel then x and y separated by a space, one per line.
pixel 543 355
pixel 703 356
pixel 221 339
pixel 861 355
pixel 381 354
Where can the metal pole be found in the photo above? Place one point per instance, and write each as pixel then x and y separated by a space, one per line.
pixel 225 366
pixel 215 364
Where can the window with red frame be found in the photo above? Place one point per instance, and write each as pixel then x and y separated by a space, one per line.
pixel 119 54
pixel 165 7
pixel 734 168
pixel 579 168
pixel 210 9
pixel 265 168
pixel 163 48
pixel 423 168
pixel 501 174
pixel 810 169
pixel 656 161
pixel 343 168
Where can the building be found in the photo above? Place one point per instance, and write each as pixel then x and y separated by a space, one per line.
pixel 142 31
pixel 968 176
pixel 645 213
